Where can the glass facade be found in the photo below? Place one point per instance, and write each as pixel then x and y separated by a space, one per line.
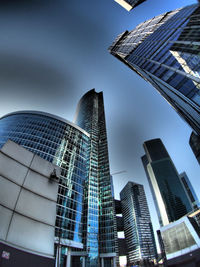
pixel 138 229
pixel 165 51
pixel 65 145
pixel 169 195
pixel 85 229
pixel 99 218
pixel 189 190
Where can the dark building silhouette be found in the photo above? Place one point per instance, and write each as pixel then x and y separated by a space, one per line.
pixel 195 145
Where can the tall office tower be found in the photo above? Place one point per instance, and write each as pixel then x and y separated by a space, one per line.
pixel 165 52
pixel 195 145
pixel 66 145
pixel 138 229
pixel 189 190
pixel 85 227
pixel 129 4
pixel 170 198
pixel 99 230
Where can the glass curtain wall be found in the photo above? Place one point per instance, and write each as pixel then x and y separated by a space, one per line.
pixel 65 145
pixel 99 229
pixel 167 55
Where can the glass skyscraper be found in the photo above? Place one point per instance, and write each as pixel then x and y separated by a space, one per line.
pixel 138 229
pixel 66 145
pixel 129 4
pixel 170 198
pixel 85 228
pixel 165 52
pixel 99 228
pixel 189 190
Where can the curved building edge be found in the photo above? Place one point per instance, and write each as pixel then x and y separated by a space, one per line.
pixel 46 114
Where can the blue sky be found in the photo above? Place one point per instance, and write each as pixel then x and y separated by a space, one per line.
pixel 53 51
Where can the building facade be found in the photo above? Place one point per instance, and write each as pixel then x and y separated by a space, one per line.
pixel 65 145
pixel 195 145
pixel 181 241
pixel 170 198
pixel 85 229
pixel 99 215
pixel 129 4
pixel 138 229
pixel 28 196
pixel 189 190
pixel 165 52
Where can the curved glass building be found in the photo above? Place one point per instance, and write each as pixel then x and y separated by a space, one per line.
pixel 85 230
pixel 64 144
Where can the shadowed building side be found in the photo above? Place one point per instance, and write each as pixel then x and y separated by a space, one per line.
pixel 195 145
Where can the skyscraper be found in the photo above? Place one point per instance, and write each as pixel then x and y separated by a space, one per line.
pixel 189 190
pixel 138 229
pixel 165 52
pixel 129 4
pixel 99 231
pixel 195 145
pixel 170 198
pixel 85 230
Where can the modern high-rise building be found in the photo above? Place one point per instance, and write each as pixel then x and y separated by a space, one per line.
pixel 129 4
pixel 170 198
pixel 66 145
pixel 99 228
pixel 138 229
pixel 165 52
pixel 195 145
pixel 189 190
pixel 85 233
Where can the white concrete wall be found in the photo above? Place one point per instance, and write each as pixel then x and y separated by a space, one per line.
pixel 27 200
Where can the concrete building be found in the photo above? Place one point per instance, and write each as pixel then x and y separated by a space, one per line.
pixel 164 51
pixel 28 196
pixel 181 241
